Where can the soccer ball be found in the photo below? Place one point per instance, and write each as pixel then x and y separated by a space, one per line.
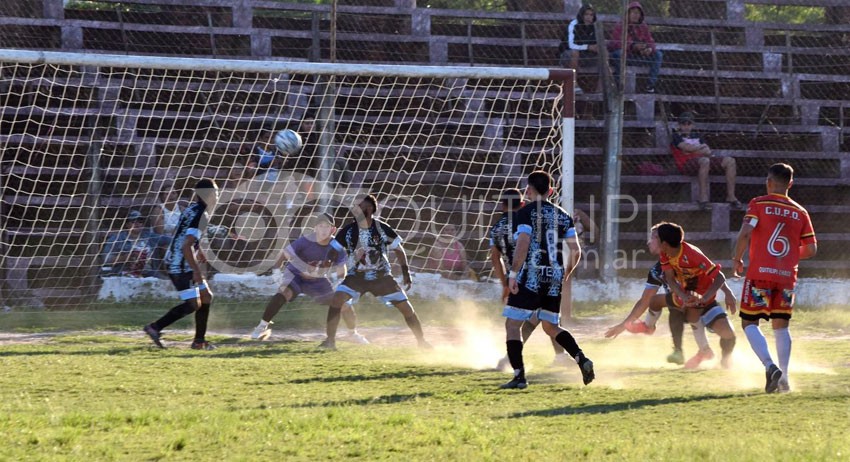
pixel 287 142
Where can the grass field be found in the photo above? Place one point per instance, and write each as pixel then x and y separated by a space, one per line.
pixel 96 390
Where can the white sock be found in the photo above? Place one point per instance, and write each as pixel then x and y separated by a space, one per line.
pixel 783 348
pixel 651 318
pixel 759 344
pixel 699 335
pixel 263 324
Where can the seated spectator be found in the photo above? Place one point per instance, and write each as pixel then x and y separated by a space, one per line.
pixel 579 46
pixel 640 46
pixel 694 157
pixel 448 256
pixel 133 251
pixel 166 216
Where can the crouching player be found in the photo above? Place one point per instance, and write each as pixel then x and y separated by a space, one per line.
pixel 367 241
pixel 694 281
pixel 310 260
pixel 655 303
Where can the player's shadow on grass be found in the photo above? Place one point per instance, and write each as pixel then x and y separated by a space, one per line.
pixel 115 351
pixel 371 401
pixel 384 376
pixel 617 407
pixel 238 348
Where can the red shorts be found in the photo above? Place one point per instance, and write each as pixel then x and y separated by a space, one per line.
pixel 766 300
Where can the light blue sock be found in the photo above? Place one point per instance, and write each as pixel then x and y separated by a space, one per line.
pixel 758 344
pixel 783 348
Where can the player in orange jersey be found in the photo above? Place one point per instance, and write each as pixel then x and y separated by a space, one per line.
pixel 779 234
pixel 694 281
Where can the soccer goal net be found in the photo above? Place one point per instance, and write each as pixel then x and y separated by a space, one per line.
pixel 101 152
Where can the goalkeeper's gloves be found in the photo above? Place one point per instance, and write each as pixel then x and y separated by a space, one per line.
pixel 266 157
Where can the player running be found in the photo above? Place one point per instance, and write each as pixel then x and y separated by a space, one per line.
pixel 184 268
pixel 780 234
pixel 310 260
pixel 547 252
pixel 367 240
pixel 694 280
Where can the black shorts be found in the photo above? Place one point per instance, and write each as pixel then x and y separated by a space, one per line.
pixel 530 300
pixel 384 287
pixel 185 285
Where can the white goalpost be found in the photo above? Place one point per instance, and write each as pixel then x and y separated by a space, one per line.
pixel 96 146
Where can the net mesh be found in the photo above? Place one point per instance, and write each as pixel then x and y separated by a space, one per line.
pixel 767 82
pixel 97 159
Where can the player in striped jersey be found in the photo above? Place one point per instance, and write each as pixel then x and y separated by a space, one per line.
pixel 184 268
pixel 547 252
pixel 502 246
pixel 367 240
pixel 502 243
pixel 779 233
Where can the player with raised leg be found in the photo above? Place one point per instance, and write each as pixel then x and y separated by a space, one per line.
pixel 694 280
pixel 310 260
pixel 547 252
pixel 779 233
pixel 184 268
pixel 367 240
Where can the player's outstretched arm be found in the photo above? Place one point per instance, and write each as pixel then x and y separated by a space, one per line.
pixel 285 256
pixel 637 310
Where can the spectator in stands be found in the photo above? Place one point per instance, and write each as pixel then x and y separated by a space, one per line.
pixel 579 46
pixel 694 157
pixel 167 214
pixel 130 252
pixel 448 256
pixel 640 46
